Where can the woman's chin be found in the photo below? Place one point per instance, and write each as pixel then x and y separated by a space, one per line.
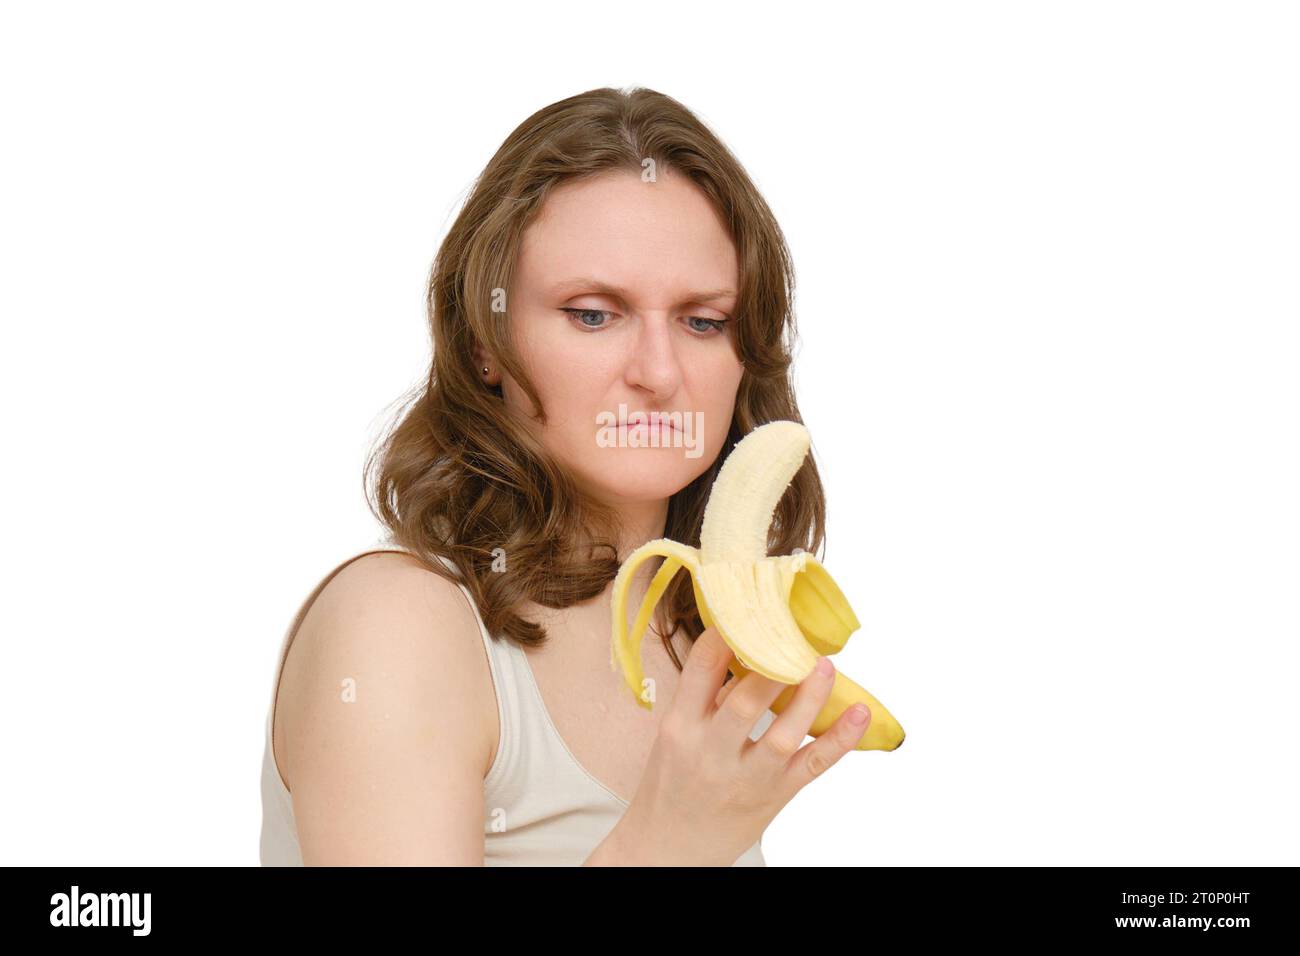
pixel 637 477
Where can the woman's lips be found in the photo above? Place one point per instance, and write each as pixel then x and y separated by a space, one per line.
pixel 664 421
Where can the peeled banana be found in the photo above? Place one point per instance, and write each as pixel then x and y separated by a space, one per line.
pixel 777 614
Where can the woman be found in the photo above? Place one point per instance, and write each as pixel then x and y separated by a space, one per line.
pixel 449 699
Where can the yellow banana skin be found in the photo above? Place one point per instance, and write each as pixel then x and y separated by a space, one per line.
pixel 776 613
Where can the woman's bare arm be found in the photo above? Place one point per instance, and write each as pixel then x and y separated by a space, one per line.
pixel 386 699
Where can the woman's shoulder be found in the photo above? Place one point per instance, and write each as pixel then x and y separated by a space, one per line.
pixel 393 588
pixel 387 561
pixel 385 631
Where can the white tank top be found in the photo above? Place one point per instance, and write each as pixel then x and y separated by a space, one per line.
pixel 541 807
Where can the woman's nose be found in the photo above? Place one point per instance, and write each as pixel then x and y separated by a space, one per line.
pixel 654 364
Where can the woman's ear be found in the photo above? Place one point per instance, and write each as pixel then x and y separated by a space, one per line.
pixel 485 367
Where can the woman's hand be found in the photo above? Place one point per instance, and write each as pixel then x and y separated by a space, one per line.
pixel 708 792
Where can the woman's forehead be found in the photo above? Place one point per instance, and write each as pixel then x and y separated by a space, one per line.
pixel 617 235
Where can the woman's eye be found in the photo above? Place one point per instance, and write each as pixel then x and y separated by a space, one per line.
pixel 581 314
pixel 717 324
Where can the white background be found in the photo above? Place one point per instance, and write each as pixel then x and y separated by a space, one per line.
pixel 1048 301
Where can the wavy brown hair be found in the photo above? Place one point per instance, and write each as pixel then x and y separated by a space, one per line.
pixel 459 477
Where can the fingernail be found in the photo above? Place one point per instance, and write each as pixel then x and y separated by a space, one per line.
pixel 825 667
pixel 858 714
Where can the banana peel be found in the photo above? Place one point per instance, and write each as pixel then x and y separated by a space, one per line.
pixel 776 613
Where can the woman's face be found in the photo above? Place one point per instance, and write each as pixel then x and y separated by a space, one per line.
pixel 620 307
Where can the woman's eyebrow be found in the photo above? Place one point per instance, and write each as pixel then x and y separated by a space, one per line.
pixel 585 284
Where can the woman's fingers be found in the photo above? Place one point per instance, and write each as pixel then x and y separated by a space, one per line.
pixel 727 688
pixel 817 757
pixel 786 734
pixel 741 708
pixel 702 674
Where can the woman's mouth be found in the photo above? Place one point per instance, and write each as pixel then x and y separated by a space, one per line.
pixel 642 420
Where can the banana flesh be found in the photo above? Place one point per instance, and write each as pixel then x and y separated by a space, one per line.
pixel 776 613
